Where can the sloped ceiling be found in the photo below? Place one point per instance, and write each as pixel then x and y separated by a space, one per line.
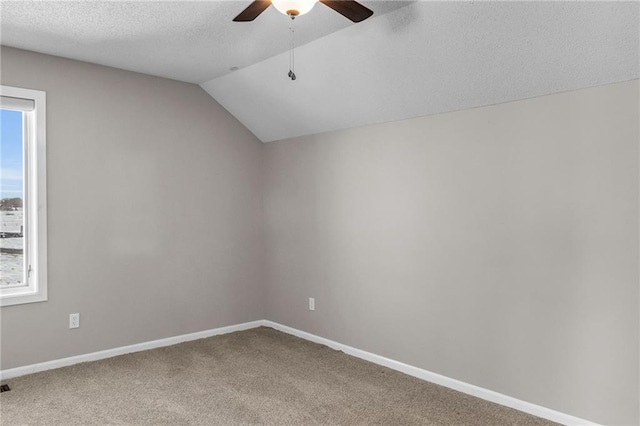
pixel 192 41
pixel 433 57
pixel 411 59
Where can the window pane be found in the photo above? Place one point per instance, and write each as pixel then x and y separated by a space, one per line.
pixel 12 225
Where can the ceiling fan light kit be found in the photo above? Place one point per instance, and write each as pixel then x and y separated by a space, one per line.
pixel 293 8
pixel 350 9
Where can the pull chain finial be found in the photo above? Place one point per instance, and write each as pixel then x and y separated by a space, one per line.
pixel 292 74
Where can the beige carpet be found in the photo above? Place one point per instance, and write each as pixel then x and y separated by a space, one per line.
pixel 258 376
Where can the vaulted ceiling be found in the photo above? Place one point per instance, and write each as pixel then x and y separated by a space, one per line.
pixel 410 59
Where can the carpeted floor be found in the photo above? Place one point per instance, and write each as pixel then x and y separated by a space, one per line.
pixel 258 376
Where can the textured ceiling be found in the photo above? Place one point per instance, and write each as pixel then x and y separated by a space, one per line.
pixel 429 58
pixel 411 59
pixel 192 41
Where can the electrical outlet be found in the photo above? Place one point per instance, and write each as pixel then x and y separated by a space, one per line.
pixel 74 320
pixel 312 304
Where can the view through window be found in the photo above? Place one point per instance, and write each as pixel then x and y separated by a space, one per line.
pixel 23 196
pixel 12 218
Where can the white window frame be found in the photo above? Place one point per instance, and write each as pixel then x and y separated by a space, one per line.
pixel 35 196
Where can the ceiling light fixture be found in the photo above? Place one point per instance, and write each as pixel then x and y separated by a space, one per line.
pixel 350 9
pixel 293 8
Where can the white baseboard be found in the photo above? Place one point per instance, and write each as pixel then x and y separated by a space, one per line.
pixel 458 385
pixel 448 382
pixel 95 356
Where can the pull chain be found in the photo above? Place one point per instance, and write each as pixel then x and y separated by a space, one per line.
pixel 292 74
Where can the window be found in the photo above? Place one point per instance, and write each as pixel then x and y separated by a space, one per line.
pixel 23 199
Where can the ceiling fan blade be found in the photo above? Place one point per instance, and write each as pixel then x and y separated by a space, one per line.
pixel 349 9
pixel 252 11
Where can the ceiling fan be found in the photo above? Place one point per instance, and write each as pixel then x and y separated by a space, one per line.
pixel 348 8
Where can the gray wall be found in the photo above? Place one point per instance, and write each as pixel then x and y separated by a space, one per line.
pixel 497 245
pixel 154 212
